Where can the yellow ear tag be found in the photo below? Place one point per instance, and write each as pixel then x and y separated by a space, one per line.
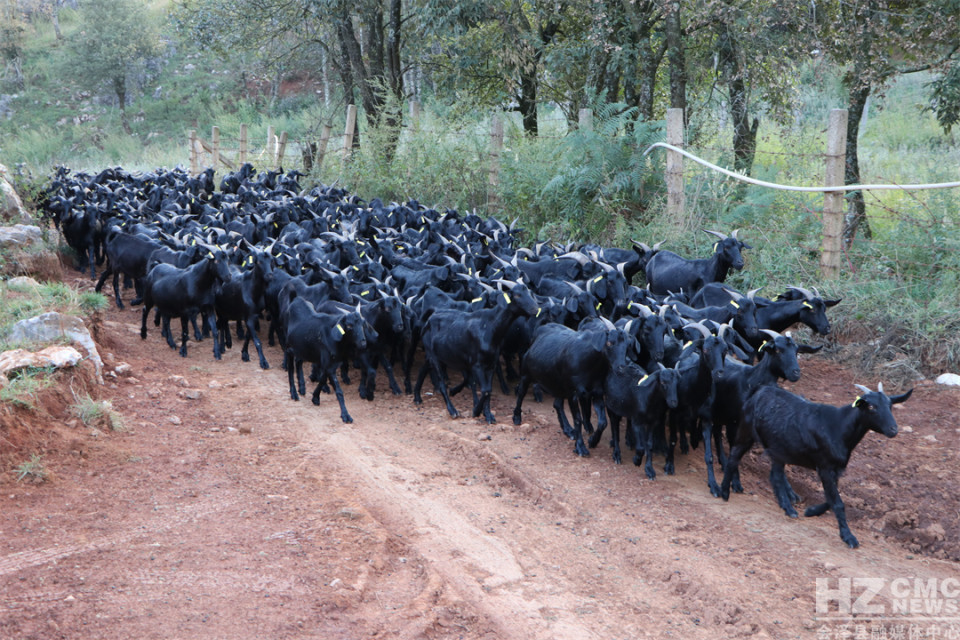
pixel 762 345
pixel 340 329
pixel 363 253
pixel 642 380
pixel 275 225
pixel 686 344
pixel 364 292
pixel 476 300
pixel 355 267
pixel 734 304
pixel 194 242
pixel 599 304
pixel 538 312
pixel 807 305
pixel 209 254
pixel 506 297
pixel 855 401
pixel 630 305
pixel 598 278
pixel 469 271
pixel 715 245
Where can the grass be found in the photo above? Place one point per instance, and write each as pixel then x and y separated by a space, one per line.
pixel 97 414
pixel 33 469
pixel 24 385
pixel 22 301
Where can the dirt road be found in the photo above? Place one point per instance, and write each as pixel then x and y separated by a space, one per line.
pixel 229 511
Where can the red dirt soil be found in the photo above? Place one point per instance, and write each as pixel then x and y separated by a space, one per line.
pixel 228 510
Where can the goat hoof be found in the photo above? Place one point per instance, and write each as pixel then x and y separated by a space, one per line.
pixel 264 364
pixel 616 458
pixel 651 475
pixel 315 400
pixel 851 541
pixel 736 486
pixel 791 512
pixel 346 419
pixel 581 450
pixel 668 469
pixel 183 353
pixel 715 490
pixel 243 356
pixel 594 440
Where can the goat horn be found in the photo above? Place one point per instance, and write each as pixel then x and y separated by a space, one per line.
pixel 702 329
pixel 753 292
pixel 862 388
pixel 607 268
pixel 723 329
pixel 880 387
pixel 736 295
pixel 620 267
pixel 628 326
pixel 734 234
pixel 645 310
pixel 804 292
pixel 609 325
pixel 576 255
pixel 485 286
pixel 656 246
pixel 643 246
pixel 576 290
pixel 510 284
pixel 773 334
pixel 662 368
pixel 715 233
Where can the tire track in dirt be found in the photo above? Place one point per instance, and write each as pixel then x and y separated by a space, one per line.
pixel 21 560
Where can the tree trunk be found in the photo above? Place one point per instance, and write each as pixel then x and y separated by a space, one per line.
pixel 528 99
pixel 56 21
pixel 346 78
pixel 677 60
pixel 120 88
pixel 856 216
pixel 744 134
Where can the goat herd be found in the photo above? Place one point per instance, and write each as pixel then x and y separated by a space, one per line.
pixel 343 281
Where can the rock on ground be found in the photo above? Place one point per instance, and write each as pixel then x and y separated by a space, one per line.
pixel 52 326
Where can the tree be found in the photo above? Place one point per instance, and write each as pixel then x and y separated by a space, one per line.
pixel 876 41
pixel 114 36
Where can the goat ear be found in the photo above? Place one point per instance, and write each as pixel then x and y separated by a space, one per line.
pixel 807 348
pixel 832 303
pixel 570 304
pixel 900 398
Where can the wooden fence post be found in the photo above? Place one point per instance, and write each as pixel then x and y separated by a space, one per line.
pixel 281 149
pixel 833 201
pixel 271 149
pixel 586 120
pixel 414 116
pixel 348 130
pixel 194 161
pixel 215 147
pixel 322 147
pixel 242 156
pixel 676 199
pixel 496 144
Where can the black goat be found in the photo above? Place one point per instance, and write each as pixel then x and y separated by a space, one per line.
pixel 470 342
pixel 185 292
pixel 241 299
pixel 793 430
pixel 128 254
pixel 643 400
pixel 572 365
pixel 666 271
pixel 323 339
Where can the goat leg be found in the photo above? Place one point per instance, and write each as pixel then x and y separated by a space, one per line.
pixel 733 462
pixel 707 428
pixel 184 333
pixel 778 480
pixel 829 479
